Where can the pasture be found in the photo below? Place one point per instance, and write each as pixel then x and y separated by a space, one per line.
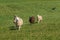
pixel 48 29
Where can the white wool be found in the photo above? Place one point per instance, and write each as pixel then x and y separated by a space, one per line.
pixel 18 22
pixel 17 18
pixel 39 17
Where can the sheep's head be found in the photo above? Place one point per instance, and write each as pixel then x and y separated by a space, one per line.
pixel 37 15
pixel 15 16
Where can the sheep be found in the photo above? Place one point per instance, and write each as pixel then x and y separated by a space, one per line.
pixel 32 19
pixel 39 18
pixel 18 22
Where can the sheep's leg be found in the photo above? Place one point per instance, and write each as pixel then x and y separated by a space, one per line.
pixel 19 27
pixel 38 21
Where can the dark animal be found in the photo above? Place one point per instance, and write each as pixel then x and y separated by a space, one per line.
pixel 32 19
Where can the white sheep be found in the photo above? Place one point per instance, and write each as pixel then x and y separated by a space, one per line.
pixel 18 22
pixel 39 18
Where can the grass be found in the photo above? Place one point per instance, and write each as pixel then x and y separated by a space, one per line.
pixel 48 29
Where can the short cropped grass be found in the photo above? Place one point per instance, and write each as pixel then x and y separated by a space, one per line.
pixel 48 29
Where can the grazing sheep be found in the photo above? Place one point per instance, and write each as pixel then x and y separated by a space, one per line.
pixel 32 19
pixel 39 18
pixel 18 22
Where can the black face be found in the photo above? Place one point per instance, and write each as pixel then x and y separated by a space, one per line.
pixel 15 16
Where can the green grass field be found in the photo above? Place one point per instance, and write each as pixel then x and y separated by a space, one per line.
pixel 48 29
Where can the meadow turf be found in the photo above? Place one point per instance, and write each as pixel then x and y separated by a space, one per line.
pixel 48 29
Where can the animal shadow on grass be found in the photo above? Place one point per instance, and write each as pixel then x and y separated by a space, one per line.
pixel 12 28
